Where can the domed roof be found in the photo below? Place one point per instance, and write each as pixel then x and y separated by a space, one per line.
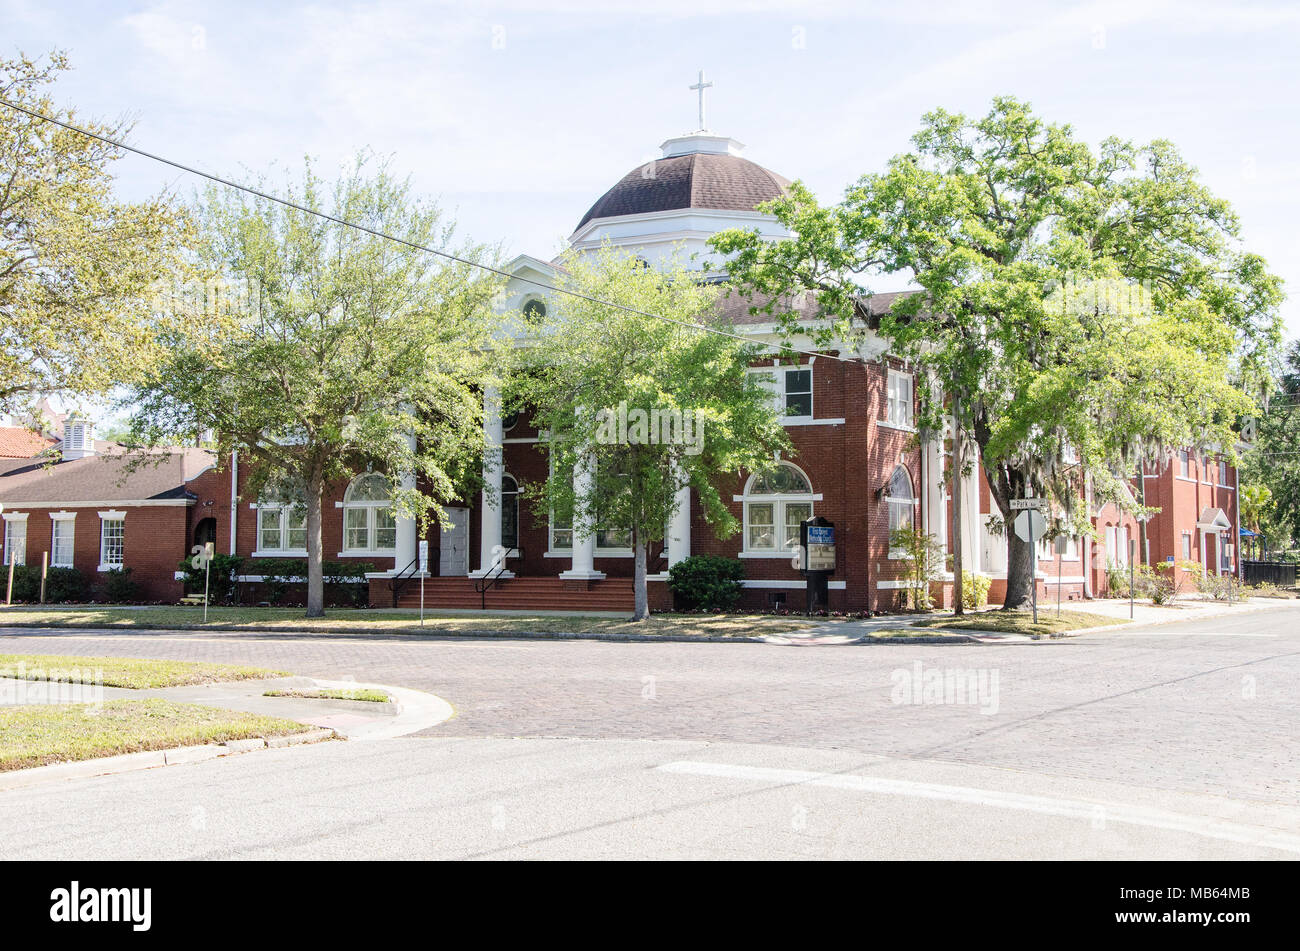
pixel 696 180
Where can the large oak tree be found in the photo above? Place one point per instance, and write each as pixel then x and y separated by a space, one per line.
pixel 323 350
pixel 1085 311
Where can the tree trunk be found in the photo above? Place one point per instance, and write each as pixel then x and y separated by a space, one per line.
pixel 1011 484
pixel 641 611
pixel 315 575
pixel 958 606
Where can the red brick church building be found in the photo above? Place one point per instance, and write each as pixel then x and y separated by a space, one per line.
pixel 856 462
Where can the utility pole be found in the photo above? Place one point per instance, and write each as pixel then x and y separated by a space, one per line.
pixel 957 605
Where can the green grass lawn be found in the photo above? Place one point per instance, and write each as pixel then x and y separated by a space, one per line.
pixel 357 621
pixel 41 735
pixel 371 696
pixel 1022 622
pixel 129 672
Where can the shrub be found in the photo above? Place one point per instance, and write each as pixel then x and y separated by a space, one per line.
pixel 707 582
pixel 347 578
pixel 64 584
pixel 27 583
pixel 923 561
pixel 975 590
pixel 116 586
pixel 223 583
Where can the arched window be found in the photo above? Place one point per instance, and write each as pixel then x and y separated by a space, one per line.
pixel 368 522
pixel 534 311
pixel 775 503
pixel 901 500
pixel 509 512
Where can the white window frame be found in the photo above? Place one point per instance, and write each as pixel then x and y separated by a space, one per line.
pixel 283 511
pixel 779 502
pixel 371 507
pixel 1184 464
pixel 900 408
pixel 105 520
pixel 776 380
pixel 1188 549
pixel 891 502
pixel 1223 474
pixel 12 521
pixel 57 519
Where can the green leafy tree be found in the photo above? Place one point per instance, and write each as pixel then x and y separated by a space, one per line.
pixel 78 270
pixel 594 365
pixel 1080 311
pixel 332 350
pixel 1273 463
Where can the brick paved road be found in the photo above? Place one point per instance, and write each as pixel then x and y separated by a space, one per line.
pixel 1208 707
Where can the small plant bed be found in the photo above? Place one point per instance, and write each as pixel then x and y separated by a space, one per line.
pixel 42 735
pixel 1022 622
pixel 370 696
pixel 129 672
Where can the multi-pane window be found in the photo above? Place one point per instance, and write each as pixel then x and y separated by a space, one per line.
pixel 775 503
pixel 798 392
pixel 281 526
pixel 791 387
pixel 509 512
pixel 901 501
pixel 15 541
pixel 1223 472
pixel 1184 464
pixel 899 412
pixel 61 542
pixel 112 542
pixel 368 521
pixel 1187 546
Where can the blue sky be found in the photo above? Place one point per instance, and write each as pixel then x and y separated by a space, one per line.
pixel 519 115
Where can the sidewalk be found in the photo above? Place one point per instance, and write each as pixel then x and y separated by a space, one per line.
pixel 408 711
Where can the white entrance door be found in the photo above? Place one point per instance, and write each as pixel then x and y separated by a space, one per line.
pixel 453 552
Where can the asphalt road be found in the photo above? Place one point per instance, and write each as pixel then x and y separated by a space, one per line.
pixel 1177 741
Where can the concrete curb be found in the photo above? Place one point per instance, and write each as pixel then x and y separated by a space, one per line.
pixel 149 759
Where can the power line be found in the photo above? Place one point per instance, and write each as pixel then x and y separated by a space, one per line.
pixel 410 244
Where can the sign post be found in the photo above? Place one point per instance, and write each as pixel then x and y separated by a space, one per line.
pixel 424 568
pixel 203 559
pixel 1030 525
pixel 817 552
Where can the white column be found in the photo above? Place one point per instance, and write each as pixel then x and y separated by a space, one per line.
pixel 583 566
pixel 932 492
pixel 490 503
pixel 405 552
pixel 677 533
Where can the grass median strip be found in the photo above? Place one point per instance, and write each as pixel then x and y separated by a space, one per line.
pixel 42 735
pixel 362 621
pixel 129 672
pixel 1018 622
pixel 371 696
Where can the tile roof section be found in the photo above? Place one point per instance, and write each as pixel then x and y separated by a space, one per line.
pixel 697 180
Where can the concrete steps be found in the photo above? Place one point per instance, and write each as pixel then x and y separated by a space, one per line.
pixel 523 594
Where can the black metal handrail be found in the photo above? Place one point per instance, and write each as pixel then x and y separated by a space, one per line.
pixel 404 576
pixel 493 577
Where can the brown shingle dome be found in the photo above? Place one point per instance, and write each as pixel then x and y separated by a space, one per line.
pixel 698 180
